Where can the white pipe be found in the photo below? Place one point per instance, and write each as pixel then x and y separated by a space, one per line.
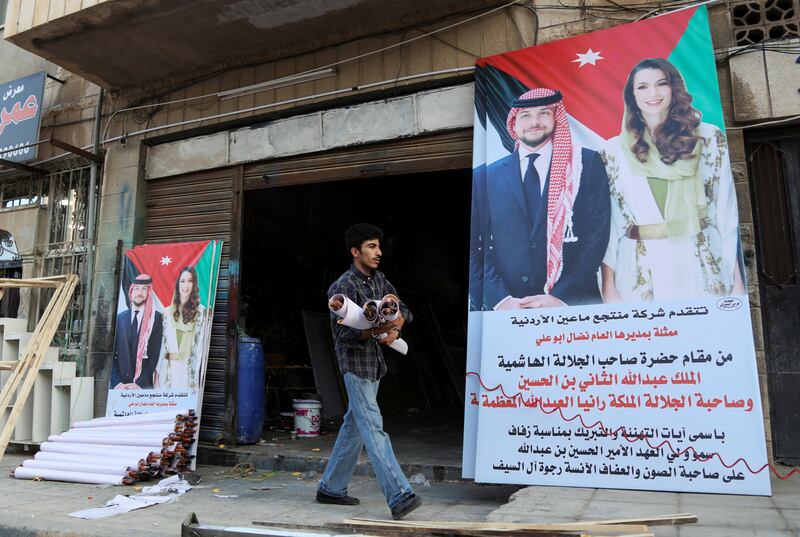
pixel 166 428
pixel 129 441
pixel 66 466
pixel 95 449
pixel 88 458
pixel 72 477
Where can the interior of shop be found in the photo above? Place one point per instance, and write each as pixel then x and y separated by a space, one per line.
pixel 293 249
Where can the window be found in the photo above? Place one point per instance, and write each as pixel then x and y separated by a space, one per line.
pixel 762 20
pixel 22 192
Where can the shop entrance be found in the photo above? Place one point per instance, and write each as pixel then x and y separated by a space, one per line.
pixel 293 249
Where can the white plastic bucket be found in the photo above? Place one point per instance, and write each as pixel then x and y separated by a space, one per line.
pixel 306 417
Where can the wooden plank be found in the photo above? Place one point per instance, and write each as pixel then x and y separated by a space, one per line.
pixel 340 528
pixel 30 282
pixel 12 16
pixel 72 6
pixel 26 10
pixel 400 531
pixel 40 12
pixel 495 526
pixel 664 520
pixel 56 9
pixel 10 387
pixel 35 352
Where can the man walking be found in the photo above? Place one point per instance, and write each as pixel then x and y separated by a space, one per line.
pixel 541 215
pixel 362 365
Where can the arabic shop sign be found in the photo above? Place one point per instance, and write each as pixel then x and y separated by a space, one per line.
pixel 20 112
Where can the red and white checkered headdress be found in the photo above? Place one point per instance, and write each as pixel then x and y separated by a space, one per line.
pixel 563 183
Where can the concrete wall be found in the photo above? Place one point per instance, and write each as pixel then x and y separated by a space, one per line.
pixel 389 119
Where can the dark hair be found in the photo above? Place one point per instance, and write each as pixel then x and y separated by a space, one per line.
pixel 675 138
pixel 189 310
pixel 356 234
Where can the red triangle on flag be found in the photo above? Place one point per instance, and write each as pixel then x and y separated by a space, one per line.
pixel 163 263
pixel 590 70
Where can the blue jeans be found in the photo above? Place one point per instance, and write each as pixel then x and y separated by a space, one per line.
pixel 363 426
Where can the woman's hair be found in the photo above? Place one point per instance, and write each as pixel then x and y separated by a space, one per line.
pixel 189 310
pixel 675 138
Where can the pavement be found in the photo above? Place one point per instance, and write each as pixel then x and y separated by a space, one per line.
pixel 33 509
pixel 276 493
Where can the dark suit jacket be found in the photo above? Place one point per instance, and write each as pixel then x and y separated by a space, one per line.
pixel 124 366
pixel 507 257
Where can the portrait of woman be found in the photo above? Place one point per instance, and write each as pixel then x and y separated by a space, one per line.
pixel 674 219
pixel 183 335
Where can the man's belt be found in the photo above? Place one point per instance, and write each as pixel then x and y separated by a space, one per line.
pixel 650 232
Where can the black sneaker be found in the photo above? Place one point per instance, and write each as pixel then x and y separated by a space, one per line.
pixel 408 504
pixel 336 500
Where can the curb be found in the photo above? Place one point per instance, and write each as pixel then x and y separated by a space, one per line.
pixel 214 456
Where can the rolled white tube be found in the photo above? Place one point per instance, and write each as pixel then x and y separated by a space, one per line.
pixel 389 302
pixel 132 428
pixel 130 441
pixel 350 313
pixel 79 458
pixel 400 346
pixel 95 449
pixel 118 469
pixel 72 477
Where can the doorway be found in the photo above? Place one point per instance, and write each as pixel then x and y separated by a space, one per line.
pixel 774 166
pixel 293 249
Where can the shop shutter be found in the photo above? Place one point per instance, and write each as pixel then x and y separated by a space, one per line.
pixel 190 208
pixel 436 152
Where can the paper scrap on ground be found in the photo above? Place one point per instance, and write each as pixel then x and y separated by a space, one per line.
pixel 166 491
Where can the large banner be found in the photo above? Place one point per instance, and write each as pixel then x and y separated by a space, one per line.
pixel 610 342
pixel 163 329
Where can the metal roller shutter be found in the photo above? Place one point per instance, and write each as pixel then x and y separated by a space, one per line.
pixel 436 152
pixel 190 208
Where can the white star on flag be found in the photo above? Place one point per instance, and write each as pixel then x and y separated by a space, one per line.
pixel 166 260
pixel 588 57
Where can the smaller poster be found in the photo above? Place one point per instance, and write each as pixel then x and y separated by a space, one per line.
pixel 163 327
pixel 20 112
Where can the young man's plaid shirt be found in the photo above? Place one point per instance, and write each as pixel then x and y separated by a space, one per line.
pixel 363 358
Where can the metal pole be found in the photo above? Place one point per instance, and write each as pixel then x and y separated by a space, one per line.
pixel 90 232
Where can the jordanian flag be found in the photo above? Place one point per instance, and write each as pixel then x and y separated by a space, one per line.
pixel 164 262
pixel 590 70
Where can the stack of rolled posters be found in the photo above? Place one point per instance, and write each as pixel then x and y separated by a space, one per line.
pixel 373 313
pixel 117 450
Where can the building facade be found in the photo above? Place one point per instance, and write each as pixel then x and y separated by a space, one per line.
pixel 211 105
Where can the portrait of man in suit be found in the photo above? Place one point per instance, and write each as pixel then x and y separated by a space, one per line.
pixel 540 215
pixel 137 343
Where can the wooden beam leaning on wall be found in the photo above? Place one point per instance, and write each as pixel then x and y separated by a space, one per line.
pixel 24 372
